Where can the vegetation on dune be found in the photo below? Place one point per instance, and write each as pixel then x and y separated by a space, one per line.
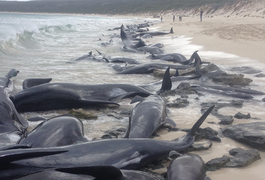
pixel 106 6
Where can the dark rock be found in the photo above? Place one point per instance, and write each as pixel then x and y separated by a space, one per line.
pixel 160 72
pixel 239 158
pixel 245 70
pixel 252 134
pixel 106 136
pixel 184 96
pixel 225 120
pixel 179 103
pixel 118 113
pixel 82 114
pixel 239 115
pixel 199 146
pixel 209 68
pixel 207 133
pixel 260 75
pixel 217 163
pixel 184 86
pixel 210 71
pixel 121 129
pixel 114 133
pixel 263 99
pixel 232 79
pixel 183 89
pixel 242 158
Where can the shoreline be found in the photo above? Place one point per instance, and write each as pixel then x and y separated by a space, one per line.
pixel 240 36
pixel 217 33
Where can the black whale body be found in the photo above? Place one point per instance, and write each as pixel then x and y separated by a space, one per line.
pixel 53 96
pixel 187 166
pixel 12 124
pixel 58 131
pixel 147 116
pixel 121 153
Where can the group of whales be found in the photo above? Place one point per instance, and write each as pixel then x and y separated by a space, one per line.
pixel 57 148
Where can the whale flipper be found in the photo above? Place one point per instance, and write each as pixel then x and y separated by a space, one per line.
pixel 28 83
pixel 137 99
pixel 8 156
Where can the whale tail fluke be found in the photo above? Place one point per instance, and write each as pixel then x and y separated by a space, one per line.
pixel 187 140
pixel 196 126
pixel 12 73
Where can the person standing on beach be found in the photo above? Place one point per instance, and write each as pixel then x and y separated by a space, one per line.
pixel 201 13
pixel 180 18
pixel 173 18
pixel 161 18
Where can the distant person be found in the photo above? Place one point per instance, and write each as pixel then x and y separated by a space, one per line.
pixel 173 18
pixel 201 13
pixel 161 18
pixel 180 18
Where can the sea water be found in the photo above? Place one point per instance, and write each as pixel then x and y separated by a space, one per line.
pixel 45 45
pixel 42 45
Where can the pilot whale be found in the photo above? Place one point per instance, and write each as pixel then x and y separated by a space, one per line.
pixel 121 153
pixel 147 116
pixel 53 96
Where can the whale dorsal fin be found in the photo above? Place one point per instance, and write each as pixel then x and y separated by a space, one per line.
pixel 166 84
pixel 171 30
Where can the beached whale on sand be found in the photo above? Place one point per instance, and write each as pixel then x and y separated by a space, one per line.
pixel 158 33
pixel 90 173
pixel 58 131
pixel 187 166
pixel 53 96
pixel 121 153
pixel 174 57
pixel 80 173
pixel 137 45
pixel 12 124
pixel 147 116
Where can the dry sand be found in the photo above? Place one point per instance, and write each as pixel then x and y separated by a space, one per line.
pixel 242 36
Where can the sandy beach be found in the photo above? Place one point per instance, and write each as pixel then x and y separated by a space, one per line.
pixel 241 36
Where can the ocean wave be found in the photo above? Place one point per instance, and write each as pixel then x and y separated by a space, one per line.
pixel 58 29
pixel 22 39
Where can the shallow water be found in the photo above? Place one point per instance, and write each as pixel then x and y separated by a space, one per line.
pixel 42 45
